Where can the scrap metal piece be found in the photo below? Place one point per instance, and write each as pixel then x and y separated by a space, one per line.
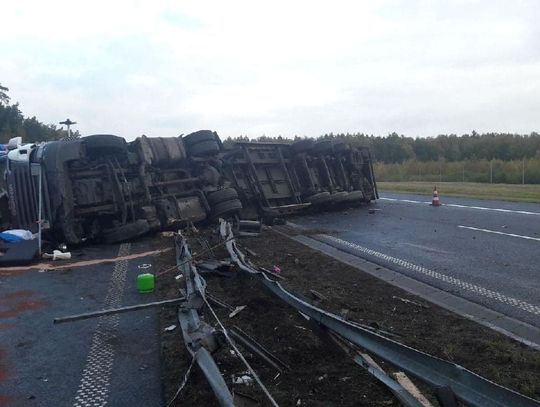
pixel 407 384
pixel 237 310
pixel 404 397
pixel 199 337
pixel 121 310
pixel 256 347
pixel 219 302
pixel 318 295
pixel 468 387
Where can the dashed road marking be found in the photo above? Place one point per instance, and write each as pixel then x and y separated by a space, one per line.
pixel 499 233
pixel 484 292
pixel 94 386
pixel 482 208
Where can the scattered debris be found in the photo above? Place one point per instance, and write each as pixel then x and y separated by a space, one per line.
pixel 193 228
pixel 244 379
pixel 317 295
pixel 219 302
pixel 254 346
pixel 237 310
pixel 167 234
pixel 170 328
pixel 276 269
pixel 120 310
pixel 408 385
pixel 410 302
pixel 57 255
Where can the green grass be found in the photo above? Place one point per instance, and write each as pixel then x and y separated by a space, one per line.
pixel 504 192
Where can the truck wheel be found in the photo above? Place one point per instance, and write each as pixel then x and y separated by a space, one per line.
pixel 355 196
pixel 339 197
pixel 227 207
pixel 126 232
pixel 106 143
pixel 302 146
pixel 319 199
pixel 199 137
pixel 222 195
pixel 204 148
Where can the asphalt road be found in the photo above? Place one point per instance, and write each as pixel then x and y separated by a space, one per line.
pixel 485 251
pixel 111 360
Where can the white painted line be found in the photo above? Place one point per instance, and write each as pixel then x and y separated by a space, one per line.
pixel 499 233
pixel 95 381
pixel 481 208
pixel 481 291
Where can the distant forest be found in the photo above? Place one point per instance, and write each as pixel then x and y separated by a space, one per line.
pixel 14 124
pixel 392 149
pixel 396 148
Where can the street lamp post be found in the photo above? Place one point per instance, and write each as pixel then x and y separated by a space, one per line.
pixel 68 123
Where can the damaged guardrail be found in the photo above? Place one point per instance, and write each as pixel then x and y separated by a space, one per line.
pixel 467 386
pixel 199 337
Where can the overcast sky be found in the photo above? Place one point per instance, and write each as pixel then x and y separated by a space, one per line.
pixel 163 68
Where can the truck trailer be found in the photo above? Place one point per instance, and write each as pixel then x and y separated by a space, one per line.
pixel 102 188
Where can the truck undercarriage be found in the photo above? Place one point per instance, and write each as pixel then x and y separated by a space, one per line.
pixel 101 187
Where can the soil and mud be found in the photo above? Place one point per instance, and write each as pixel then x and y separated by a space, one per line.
pixel 320 373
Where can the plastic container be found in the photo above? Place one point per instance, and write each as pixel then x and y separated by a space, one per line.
pixel 145 283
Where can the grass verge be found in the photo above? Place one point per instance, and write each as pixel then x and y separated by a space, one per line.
pixel 503 192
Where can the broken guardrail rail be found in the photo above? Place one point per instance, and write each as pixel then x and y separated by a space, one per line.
pixel 468 387
pixel 199 337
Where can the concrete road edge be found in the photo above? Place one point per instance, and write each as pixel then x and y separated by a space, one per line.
pixel 520 331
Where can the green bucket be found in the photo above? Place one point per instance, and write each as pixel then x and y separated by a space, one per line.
pixel 145 283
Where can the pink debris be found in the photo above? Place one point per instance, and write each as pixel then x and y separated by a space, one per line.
pixel 276 269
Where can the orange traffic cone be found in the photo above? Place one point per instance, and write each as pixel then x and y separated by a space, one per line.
pixel 435 201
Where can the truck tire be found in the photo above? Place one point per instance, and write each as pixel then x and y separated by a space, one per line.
pixel 221 195
pixel 339 197
pixel 319 199
pixel 204 148
pixel 302 146
pixel 105 143
pixel 199 137
pixel 126 232
pixel 355 196
pixel 226 207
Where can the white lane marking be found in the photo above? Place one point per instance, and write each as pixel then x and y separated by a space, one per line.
pixel 482 208
pixel 514 302
pixel 499 233
pixel 94 386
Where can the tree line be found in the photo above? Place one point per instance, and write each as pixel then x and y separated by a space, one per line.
pixel 393 148
pixel 14 124
pixel 396 148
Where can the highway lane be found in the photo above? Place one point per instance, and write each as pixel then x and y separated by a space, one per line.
pixel 110 360
pixel 485 251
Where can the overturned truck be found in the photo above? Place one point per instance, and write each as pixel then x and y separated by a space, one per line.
pixel 103 188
